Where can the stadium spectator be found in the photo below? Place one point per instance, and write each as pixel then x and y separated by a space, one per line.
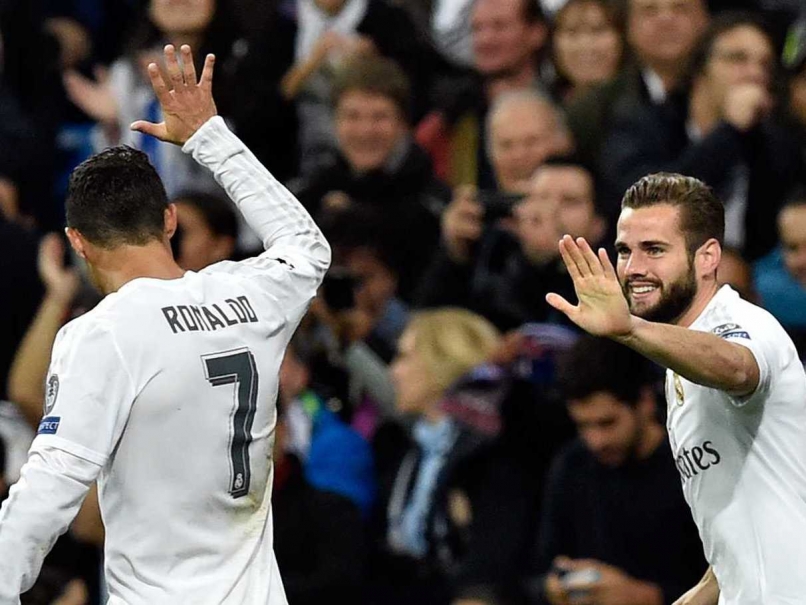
pixel 332 33
pixel 523 129
pixel 738 274
pixel 719 129
pixel 661 35
pixel 508 38
pixel 208 230
pixel 504 274
pixel 780 277
pixel 319 535
pixel 613 495
pixel 452 510
pixel 380 171
pixel 587 46
pixel 122 94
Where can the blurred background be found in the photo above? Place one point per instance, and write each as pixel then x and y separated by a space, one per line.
pixel 445 437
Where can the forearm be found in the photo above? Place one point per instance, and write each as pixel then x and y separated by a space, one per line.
pixel 268 207
pixel 26 379
pixel 700 357
pixel 39 508
pixel 295 78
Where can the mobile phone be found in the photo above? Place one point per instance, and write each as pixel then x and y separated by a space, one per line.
pixel 498 204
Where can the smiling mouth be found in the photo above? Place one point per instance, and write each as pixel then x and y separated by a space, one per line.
pixel 643 291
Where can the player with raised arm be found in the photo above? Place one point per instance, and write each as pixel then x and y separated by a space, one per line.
pixel 735 389
pixel 165 392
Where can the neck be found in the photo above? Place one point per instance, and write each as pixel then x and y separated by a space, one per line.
pixel 701 111
pixel 704 295
pixel 116 267
pixel 432 413
pixel 518 79
pixel 651 438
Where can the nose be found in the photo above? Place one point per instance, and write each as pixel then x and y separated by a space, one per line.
pixel 596 440
pixel 635 266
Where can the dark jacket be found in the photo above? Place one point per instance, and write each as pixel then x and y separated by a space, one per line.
pixel 406 201
pixel 499 283
pixel 319 540
pixel 633 517
pixel 656 140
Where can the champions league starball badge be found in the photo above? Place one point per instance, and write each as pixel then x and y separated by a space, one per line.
pixel 51 392
pixel 678 390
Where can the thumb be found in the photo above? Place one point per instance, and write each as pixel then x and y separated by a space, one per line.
pixel 149 128
pixel 559 303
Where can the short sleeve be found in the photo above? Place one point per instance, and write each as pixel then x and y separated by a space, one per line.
pixel 88 393
pixel 760 339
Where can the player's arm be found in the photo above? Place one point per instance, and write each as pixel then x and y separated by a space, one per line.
pixel 287 230
pixel 706 592
pixel 700 357
pixel 87 406
pixel 39 508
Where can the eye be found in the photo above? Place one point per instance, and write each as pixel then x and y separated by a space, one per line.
pixel 655 250
pixel 623 252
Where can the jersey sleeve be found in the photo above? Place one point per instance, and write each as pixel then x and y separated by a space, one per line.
pixel 88 394
pixel 297 254
pixel 39 508
pixel 757 335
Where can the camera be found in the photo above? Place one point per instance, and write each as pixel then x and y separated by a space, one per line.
pixel 338 289
pixel 498 204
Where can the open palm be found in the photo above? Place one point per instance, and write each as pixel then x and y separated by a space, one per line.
pixel 187 103
pixel 602 309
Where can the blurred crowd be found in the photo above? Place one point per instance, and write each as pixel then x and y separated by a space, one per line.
pixel 445 437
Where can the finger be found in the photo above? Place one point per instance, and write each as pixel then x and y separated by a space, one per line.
pixel 158 84
pixel 206 81
pixel 593 262
pixel 172 67
pixel 188 68
pixel 559 303
pixel 101 74
pixel 155 130
pixel 576 255
pixel 570 263
pixel 609 270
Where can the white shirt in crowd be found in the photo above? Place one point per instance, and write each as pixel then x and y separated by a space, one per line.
pixel 742 461
pixel 165 392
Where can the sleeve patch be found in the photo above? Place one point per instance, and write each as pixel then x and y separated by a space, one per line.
pixel 731 331
pixel 49 425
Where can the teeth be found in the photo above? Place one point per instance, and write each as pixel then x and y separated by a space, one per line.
pixel 643 289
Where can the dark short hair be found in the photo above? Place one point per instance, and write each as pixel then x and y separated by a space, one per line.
pixel 720 25
pixel 375 75
pixel 574 161
pixel 795 199
pixel 116 197
pixel 702 215
pixel 218 213
pixel 600 365
pixel 531 11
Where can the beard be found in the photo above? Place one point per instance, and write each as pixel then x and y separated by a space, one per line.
pixel 675 298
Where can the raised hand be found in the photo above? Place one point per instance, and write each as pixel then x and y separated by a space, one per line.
pixel 95 98
pixel 602 309
pixel 61 282
pixel 186 103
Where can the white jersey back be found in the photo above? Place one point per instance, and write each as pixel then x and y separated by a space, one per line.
pixel 168 388
pixel 743 461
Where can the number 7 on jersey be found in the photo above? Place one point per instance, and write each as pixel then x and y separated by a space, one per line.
pixel 237 367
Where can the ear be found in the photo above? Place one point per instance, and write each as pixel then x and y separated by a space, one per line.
pixel 171 220
pixel 77 242
pixel 708 257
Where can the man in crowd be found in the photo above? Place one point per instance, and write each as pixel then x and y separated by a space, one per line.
pixel 504 273
pixel 614 494
pixel 721 130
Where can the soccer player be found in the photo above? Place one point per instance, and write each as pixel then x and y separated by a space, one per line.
pixel 735 389
pixel 165 392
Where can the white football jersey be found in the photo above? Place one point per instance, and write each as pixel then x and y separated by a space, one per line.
pixel 169 386
pixel 742 461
